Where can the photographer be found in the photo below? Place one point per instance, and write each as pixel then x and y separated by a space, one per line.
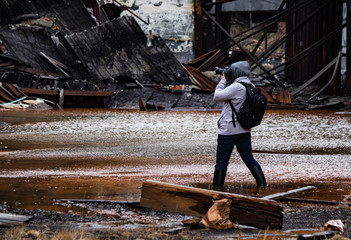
pixel 231 133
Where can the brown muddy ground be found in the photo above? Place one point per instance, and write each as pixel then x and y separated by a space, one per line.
pixel 107 154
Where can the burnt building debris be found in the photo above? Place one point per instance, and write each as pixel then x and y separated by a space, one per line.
pixel 115 57
pixel 66 16
pixel 14 98
pixel 304 58
pixel 99 46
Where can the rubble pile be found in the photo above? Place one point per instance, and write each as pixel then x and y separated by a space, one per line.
pixel 61 50
pixel 44 48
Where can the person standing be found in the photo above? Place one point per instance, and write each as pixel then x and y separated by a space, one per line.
pixel 231 133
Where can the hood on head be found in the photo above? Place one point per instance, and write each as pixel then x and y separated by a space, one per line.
pixel 240 69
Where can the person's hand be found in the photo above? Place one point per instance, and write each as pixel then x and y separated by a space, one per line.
pixel 223 75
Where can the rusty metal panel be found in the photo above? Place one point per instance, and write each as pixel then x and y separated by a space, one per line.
pixel 319 25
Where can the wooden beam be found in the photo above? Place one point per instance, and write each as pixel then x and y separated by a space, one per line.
pixel 314 201
pixel 7 219
pixel 318 235
pixel 277 196
pixel 76 93
pixel 245 210
pixel 99 201
pixel 30 91
pixel 88 93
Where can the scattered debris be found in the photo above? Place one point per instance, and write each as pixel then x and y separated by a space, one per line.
pixel 217 217
pixel 277 196
pixel 347 198
pixel 50 46
pixel 174 230
pixel 13 98
pixel 316 236
pixel 299 220
pixel 313 201
pixel 192 201
pixel 49 50
pixel 148 106
pixel 334 225
pixel 193 222
pixel 8 220
pixel 32 234
pixel 72 98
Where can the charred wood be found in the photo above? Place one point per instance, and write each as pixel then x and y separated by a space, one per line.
pixel 194 201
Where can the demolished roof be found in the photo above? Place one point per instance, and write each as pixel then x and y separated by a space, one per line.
pixel 69 16
pixel 47 46
pixel 115 50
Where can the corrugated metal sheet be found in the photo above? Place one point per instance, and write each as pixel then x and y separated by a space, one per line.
pixel 323 17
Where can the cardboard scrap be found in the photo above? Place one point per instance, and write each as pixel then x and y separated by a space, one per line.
pixel 217 216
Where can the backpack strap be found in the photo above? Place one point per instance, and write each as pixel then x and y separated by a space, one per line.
pixel 231 104
pixel 233 111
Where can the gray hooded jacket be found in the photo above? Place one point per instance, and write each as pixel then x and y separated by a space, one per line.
pixel 236 93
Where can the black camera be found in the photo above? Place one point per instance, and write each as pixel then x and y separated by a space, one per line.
pixel 226 70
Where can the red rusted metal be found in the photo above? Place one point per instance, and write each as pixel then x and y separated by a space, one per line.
pixel 14 91
pixel 71 98
pixel 200 79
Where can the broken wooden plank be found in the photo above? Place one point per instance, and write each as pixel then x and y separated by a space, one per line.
pixel 314 201
pixel 7 219
pixel 71 98
pixel 277 196
pixel 99 201
pixel 318 235
pixel 187 200
pixel 17 93
pixel 60 66
pixel 78 93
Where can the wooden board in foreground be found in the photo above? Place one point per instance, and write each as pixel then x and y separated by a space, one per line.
pixel 245 210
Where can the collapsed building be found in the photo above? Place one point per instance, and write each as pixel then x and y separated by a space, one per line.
pixel 308 55
pixel 59 46
pixel 96 54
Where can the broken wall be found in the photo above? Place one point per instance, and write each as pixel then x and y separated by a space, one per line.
pixel 173 20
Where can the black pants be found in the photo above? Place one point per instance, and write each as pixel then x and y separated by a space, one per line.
pixel 225 146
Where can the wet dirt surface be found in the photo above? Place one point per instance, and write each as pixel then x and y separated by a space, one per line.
pixel 107 154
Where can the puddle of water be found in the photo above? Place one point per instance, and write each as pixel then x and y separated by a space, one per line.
pixel 107 154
